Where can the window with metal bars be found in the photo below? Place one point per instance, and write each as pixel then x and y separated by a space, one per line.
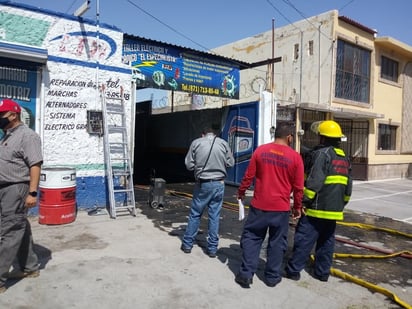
pixel 356 132
pixel 386 137
pixel 310 139
pixel 389 69
pixel 353 66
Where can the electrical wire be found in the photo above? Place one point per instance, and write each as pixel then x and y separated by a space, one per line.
pixel 70 7
pixel 168 26
pixel 281 14
pixel 345 5
pixel 288 2
pixel 183 35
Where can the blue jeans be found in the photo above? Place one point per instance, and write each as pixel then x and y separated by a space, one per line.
pixel 257 225
pixel 309 231
pixel 210 195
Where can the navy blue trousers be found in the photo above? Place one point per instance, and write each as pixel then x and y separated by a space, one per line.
pixel 257 224
pixel 309 231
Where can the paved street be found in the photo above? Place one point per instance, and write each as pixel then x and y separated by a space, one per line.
pixel 387 198
pixel 135 262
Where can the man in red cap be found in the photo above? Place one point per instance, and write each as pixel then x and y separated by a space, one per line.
pixel 20 165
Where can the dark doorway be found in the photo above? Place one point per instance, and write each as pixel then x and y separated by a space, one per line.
pixel 141 170
pixel 162 141
pixel 356 146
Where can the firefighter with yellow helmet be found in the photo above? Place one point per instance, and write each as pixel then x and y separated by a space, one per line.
pixel 328 187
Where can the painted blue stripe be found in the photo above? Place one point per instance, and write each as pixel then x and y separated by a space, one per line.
pixel 29 49
pixel 90 192
pixel 89 64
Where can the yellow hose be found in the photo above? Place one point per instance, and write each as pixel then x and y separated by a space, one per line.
pixel 374 287
pixel 370 286
pixel 371 227
pixel 370 256
pixel 232 206
pixel 339 273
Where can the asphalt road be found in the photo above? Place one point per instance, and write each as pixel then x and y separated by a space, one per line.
pixel 135 262
pixel 387 198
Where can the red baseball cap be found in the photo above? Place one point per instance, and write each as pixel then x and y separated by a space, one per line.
pixel 7 105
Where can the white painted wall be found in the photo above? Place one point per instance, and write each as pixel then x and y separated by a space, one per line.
pixel 81 55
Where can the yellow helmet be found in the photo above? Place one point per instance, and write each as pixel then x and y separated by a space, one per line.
pixel 330 128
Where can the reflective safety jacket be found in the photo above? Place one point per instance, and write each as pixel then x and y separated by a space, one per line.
pixel 328 184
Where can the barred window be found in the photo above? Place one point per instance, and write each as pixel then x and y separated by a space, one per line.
pixel 353 66
pixel 386 137
pixel 296 52
pixel 310 47
pixel 389 69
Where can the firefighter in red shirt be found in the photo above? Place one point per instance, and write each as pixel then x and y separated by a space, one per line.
pixel 278 171
pixel 328 187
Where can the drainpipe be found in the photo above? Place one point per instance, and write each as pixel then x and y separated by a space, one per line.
pixel 298 113
pixel 301 67
pixel 319 75
pixel 332 84
pixel 98 51
pixel 40 122
pixel 173 101
pixel 274 107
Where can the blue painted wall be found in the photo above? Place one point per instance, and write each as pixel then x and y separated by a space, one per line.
pixel 241 132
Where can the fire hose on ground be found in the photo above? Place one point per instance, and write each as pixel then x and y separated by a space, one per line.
pixel 338 273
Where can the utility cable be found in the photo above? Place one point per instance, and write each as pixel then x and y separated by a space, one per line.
pixel 288 2
pixel 168 26
pixel 183 35
pixel 345 5
pixel 70 7
pixel 281 14
pixel 300 13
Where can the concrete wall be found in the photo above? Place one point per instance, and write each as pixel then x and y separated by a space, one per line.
pixel 389 171
pixel 304 73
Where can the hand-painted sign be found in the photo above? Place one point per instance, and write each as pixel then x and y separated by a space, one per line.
pixel 84 45
pixel 163 66
pixel 20 85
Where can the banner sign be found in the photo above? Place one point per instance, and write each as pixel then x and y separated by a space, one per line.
pixel 164 66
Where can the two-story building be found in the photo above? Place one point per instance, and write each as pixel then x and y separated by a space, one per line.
pixel 331 67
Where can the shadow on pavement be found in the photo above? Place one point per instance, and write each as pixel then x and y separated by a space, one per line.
pixel 172 218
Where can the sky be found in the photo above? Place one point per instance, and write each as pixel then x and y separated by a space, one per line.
pixel 204 25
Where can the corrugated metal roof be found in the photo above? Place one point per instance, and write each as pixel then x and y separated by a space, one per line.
pixel 197 53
